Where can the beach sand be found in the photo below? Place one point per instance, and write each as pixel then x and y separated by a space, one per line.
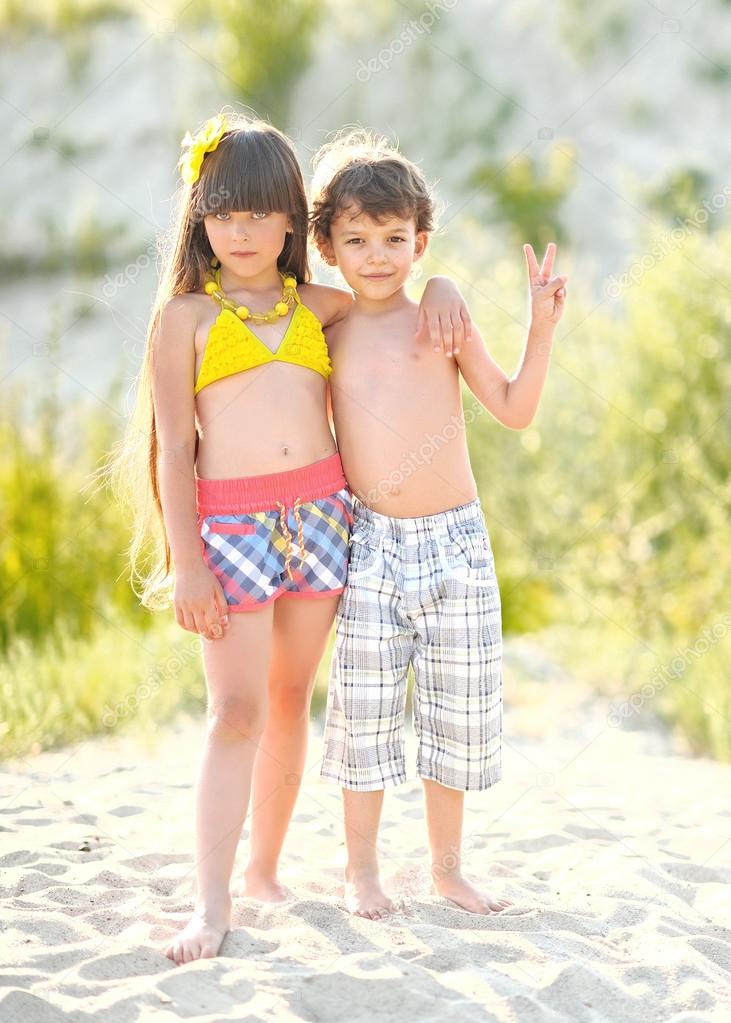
pixel 613 845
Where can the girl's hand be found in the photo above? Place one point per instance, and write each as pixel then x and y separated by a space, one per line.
pixel 547 294
pixel 200 603
pixel 443 316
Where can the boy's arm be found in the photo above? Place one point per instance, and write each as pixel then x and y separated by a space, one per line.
pixel 513 402
pixel 443 316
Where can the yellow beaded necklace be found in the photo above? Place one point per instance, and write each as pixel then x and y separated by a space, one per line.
pixel 213 288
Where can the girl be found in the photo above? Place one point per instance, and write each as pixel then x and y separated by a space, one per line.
pixel 245 511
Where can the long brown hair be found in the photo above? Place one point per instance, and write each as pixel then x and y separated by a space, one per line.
pixel 254 167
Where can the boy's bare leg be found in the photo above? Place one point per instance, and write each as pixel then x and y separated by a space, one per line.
pixel 444 815
pixel 363 893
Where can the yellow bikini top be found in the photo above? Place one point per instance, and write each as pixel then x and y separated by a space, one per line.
pixel 232 347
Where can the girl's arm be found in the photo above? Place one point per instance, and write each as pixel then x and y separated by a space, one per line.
pixel 200 602
pixel 329 401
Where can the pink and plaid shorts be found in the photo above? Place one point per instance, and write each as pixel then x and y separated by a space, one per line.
pixel 278 535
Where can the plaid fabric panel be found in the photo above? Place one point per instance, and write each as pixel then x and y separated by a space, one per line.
pixel 248 552
pixel 429 598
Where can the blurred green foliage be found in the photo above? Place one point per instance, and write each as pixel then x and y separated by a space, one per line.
pixel 87 246
pixel 679 194
pixel 61 563
pixel 58 17
pixel 526 194
pixel 261 49
pixel 119 676
pixel 589 27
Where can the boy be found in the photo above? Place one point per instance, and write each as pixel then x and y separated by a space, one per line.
pixel 421 586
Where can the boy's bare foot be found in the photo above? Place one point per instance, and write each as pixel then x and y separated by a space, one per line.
pixel 365 897
pixel 263 887
pixel 202 936
pixel 457 889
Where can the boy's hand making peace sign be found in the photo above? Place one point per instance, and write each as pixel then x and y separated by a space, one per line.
pixel 547 294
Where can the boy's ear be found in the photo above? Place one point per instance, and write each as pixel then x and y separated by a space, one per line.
pixel 325 247
pixel 420 243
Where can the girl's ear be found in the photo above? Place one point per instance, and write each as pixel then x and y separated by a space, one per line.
pixel 420 243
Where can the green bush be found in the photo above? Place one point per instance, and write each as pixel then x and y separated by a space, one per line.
pixel 51 695
pixel 62 559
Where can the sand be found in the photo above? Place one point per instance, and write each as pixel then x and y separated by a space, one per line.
pixel 613 845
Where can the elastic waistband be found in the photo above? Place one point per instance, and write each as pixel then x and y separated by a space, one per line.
pixel 261 493
pixel 423 527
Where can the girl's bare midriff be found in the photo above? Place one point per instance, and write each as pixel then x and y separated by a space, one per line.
pixel 268 419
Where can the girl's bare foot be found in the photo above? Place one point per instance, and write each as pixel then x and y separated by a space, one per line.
pixel 365 897
pixel 258 885
pixel 454 887
pixel 202 936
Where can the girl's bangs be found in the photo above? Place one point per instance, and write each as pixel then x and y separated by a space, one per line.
pixel 248 171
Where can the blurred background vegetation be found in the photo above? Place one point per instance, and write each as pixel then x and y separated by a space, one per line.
pixel 608 516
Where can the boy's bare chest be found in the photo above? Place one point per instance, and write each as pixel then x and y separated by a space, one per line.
pixel 389 368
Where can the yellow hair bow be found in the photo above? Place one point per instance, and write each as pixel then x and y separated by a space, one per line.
pixel 198 145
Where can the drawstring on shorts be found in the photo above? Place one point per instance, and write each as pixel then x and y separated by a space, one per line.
pixel 288 536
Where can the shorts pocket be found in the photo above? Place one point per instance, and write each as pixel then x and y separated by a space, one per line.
pixel 467 556
pixel 365 557
pixel 236 528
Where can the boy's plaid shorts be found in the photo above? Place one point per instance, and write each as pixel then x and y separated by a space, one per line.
pixel 420 591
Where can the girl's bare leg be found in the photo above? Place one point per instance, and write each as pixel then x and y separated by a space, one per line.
pixel 237 667
pixel 300 633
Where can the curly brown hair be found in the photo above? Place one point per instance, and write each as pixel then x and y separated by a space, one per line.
pixel 357 172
